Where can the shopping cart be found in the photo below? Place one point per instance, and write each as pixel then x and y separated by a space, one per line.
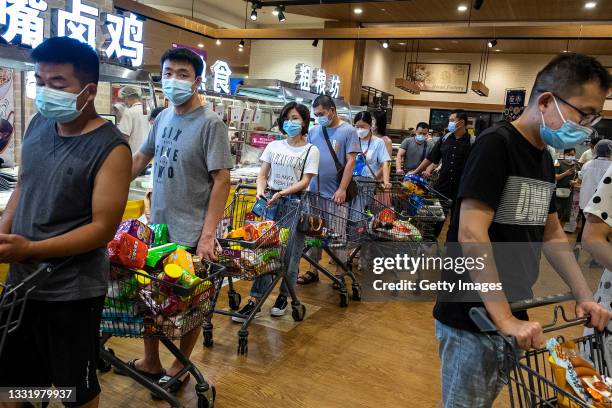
pixel 143 304
pixel 345 228
pixel 13 297
pixel 531 380
pixel 269 252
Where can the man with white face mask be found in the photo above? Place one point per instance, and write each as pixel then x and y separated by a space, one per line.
pixel 191 180
pixel 413 150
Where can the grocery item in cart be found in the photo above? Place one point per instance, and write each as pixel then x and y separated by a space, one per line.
pixel 135 283
pixel 181 258
pixel 128 251
pixel 160 234
pixel 138 230
pixel 154 255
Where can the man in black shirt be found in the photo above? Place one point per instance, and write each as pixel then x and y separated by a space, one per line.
pixel 507 196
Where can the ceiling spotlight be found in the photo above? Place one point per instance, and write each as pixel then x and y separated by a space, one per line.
pixel 254 15
pixel 201 45
pixel 492 43
pixel 358 10
pixel 218 42
pixel 478 4
pixel 279 11
pixel 498 50
pixel 240 49
pixel 401 43
pixel 281 16
pixel 385 44
pixel 241 44
pixel 590 4
pixel 462 8
pixel 276 10
pixel 437 49
pixel 315 43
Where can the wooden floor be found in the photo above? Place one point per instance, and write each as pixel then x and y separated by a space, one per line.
pixel 366 355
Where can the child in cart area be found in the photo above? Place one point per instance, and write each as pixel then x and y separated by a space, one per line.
pixel 507 196
pixel 72 191
pixel 287 168
pixel 191 181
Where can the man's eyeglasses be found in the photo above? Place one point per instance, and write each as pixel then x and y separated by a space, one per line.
pixel 586 119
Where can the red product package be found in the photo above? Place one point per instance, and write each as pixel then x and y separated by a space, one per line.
pixel 127 251
pixel 138 230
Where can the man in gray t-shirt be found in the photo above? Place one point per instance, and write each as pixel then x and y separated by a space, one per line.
pixel 413 150
pixel 191 181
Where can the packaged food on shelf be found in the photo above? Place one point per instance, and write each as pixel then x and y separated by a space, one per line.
pixel 156 254
pixel 137 230
pixel 181 258
pixel 160 234
pixel 128 251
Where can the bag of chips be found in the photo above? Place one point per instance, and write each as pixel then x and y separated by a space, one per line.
pixel 127 251
pixel 160 232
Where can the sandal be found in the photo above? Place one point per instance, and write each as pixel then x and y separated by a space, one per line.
pixel 307 278
pixel 174 388
pixel 150 376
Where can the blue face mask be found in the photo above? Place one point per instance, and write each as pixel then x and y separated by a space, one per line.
pixel 452 126
pixel 177 91
pixel 567 136
pixel 57 105
pixel 292 128
pixel 323 120
pixel 420 138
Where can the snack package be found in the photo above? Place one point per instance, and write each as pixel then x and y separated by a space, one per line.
pixel 238 233
pixel 136 281
pixel 138 230
pixel 181 258
pixel 160 234
pixel 156 254
pixel 201 269
pixel 127 251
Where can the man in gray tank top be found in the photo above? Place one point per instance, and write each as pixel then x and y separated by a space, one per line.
pixel 72 190
pixel 191 180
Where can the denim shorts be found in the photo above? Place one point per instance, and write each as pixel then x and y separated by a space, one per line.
pixel 473 367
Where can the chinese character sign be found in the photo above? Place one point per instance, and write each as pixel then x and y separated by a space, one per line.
pixel 79 23
pixel 221 77
pixel 23 19
pixel 303 75
pixel 333 86
pixel 125 37
pixel 319 79
pixel 515 104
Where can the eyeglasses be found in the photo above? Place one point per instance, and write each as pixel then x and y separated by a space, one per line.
pixel 586 119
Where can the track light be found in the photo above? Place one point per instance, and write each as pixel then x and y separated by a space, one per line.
pixel 218 42
pixel 276 10
pixel 281 16
pixel 315 43
pixel 254 15
pixel 241 44
pixel 385 44
pixel 492 43
pixel 478 4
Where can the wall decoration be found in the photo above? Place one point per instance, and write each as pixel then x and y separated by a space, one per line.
pixel 440 77
pixel 515 104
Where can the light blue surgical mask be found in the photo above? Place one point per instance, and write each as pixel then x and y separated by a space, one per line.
pixel 452 126
pixel 57 105
pixel 567 136
pixel 420 138
pixel 323 120
pixel 292 128
pixel 178 91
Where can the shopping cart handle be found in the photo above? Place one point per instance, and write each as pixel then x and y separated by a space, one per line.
pixel 540 301
pixel 481 320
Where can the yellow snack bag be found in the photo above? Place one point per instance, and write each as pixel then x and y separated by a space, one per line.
pixel 181 258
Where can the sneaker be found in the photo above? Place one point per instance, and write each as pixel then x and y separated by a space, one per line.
pixel 279 307
pixel 246 311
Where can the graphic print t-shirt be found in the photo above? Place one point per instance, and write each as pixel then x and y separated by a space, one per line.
pixel 287 163
pixel 186 149
pixel 517 180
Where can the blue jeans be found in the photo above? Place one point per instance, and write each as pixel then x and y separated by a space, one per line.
pixel 473 367
pixel 293 252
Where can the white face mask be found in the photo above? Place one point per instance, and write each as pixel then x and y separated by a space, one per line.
pixel 363 133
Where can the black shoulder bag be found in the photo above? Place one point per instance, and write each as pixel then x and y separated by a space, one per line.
pixel 351 190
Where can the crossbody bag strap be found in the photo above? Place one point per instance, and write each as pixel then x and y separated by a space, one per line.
pixel 304 166
pixel 339 166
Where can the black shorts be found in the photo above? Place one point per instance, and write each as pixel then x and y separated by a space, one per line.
pixel 56 344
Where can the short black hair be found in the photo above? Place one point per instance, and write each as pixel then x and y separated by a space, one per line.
pixel 565 74
pixel 65 50
pixel 302 110
pixel 381 121
pixel 324 101
pixel 422 125
pixel 155 112
pixel 364 116
pixel 594 139
pixel 571 149
pixel 461 115
pixel 184 55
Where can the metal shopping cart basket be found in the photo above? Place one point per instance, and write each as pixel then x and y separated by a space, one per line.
pixel 251 247
pixel 530 374
pixel 344 228
pixel 145 304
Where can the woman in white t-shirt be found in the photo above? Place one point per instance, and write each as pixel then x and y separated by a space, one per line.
pixel 287 167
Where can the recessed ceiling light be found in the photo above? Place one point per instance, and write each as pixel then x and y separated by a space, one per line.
pixel 437 49
pixel 201 45
pixel 358 10
pixel 462 8
pixel 385 44
pixel 402 43
pixel 240 49
pixel 218 42
pixel 590 4
pixel 383 9
pixel 498 50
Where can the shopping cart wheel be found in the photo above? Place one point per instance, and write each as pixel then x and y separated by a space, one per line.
pixel 344 299
pixel 207 333
pixel 207 399
pixel 103 365
pixel 234 300
pixel 243 343
pixel 298 312
pixel 356 292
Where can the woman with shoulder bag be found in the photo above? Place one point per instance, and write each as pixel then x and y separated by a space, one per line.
pixel 287 167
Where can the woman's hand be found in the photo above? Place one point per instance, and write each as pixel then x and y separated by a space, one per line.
pixel 387 185
pixel 274 199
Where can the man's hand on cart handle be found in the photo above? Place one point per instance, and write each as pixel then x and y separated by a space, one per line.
pixel 339 196
pixel 15 248
pixel 206 248
pixel 599 316
pixel 528 334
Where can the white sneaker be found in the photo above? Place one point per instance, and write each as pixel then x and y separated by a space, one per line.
pixel 280 306
pixel 246 312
